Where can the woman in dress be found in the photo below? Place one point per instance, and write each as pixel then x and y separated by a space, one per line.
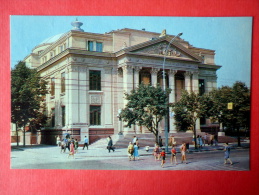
pixel 135 153
pixel 156 152
pixel 72 150
pixel 130 151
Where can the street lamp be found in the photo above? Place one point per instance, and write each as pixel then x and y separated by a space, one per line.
pixel 166 117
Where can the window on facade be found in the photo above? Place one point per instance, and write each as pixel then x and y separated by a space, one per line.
pixel 63 82
pixel 53 117
pixel 52 87
pixel 95 80
pixel 90 46
pixel 99 46
pixel 145 77
pixel 95 115
pixel 63 110
pixel 201 86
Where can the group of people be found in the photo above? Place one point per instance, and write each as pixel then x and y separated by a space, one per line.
pixel 71 144
pixel 133 148
pixel 157 154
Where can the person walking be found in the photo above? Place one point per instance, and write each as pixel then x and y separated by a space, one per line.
pixel 85 143
pixel 205 141
pixel 71 150
pixel 162 154
pixel 130 150
pixel 183 152
pixel 156 152
pixel 58 141
pixel 135 153
pixel 76 146
pixel 63 146
pixel 173 157
pixel 160 142
pixel 110 144
pixel 227 154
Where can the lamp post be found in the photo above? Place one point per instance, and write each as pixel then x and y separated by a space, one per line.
pixel 164 87
pixel 120 119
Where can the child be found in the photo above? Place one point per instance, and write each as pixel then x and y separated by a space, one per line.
pixel 173 157
pixel 156 152
pixel 162 154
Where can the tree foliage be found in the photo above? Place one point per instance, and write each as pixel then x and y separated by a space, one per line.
pixel 147 105
pixel 237 117
pixel 189 108
pixel 27 92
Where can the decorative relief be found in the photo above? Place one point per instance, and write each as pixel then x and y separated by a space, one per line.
pixel 187 73
pixel 95 99
pixel 127 69
pixel 172 72
pixel 154 70
pixel 137 69
pixel 161 50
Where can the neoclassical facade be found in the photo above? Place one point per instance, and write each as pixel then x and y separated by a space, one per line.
pixel 89 73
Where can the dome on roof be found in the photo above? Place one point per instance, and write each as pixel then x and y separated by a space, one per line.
pixel 52 39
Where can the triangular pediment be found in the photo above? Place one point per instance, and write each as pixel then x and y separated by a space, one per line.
pixel 158 48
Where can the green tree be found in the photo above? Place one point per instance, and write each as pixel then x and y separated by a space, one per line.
pixel 188 109
pixel 147 105
pixel 27 92
pixel 236 117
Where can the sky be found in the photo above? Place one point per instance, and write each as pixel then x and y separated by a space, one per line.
pixel 230 37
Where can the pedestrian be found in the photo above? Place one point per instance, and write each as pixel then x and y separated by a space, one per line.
pixel 227 154
pixel 85 143
pixel 187 147
pixel 71 150
pixel 211 139
pixel 173 157
pixel 156 152
pixel 58 141
pixel 162 154
pixel 216 139
pixel 183 152
pixel 110 144
pixel 130 150
pixel 76 146
pixel 160 142
pixel 200 141
pixel 134 139
pixel 137 143
pixel 135 153
pixel 63 146
pixel 205 139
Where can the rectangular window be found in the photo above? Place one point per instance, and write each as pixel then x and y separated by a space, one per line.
pixel 95 115
pixel 52 92
pixel 95 80
pixel 63 110
pixel 63 82
pixel 99 47
pixel 201 86
pixel 53 117
pixel 90 46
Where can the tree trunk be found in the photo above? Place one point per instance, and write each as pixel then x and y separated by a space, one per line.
pixel 194 132
pixel 238 137
pixel 24 135
pixel 17 137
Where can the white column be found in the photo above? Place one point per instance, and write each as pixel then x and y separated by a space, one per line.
pixel 127 87
pixel 84 102
pixel 73 105
pixel 154 72
pixel 195 82
pixel 172 99
pixel 187 76
pixel 107 100
pixel 136 76
pixel 136 84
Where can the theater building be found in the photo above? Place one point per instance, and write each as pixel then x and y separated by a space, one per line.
pixel 88 74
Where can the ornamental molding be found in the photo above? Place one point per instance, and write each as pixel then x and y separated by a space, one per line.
pixel 95 99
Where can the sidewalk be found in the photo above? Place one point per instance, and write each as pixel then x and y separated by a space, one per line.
pixel 101 151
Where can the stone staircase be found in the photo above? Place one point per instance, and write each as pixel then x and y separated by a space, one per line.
pixel 148 139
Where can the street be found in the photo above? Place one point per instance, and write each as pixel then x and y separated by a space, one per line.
pixel 49 157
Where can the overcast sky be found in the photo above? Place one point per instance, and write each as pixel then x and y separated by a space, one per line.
pixel 230 37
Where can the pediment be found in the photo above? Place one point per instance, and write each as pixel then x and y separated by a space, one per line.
pixel 158 48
